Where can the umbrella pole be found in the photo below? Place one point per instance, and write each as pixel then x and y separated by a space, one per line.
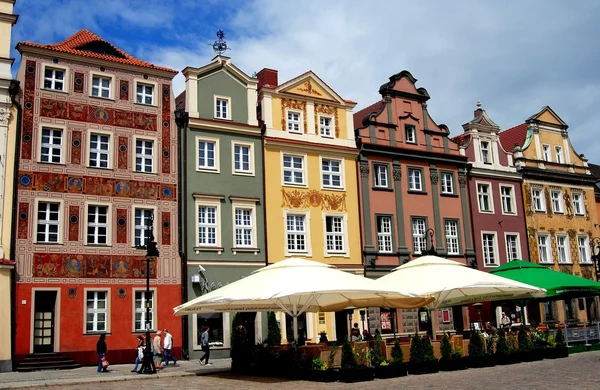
pixel 295 320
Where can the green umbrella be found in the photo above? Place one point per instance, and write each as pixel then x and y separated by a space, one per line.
pixel 557 284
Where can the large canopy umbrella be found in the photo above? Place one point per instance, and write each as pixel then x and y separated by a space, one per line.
pixel 452 283
pixel 296 286
pixel 557 284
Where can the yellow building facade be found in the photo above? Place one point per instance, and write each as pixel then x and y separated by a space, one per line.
pixel 560 208
pixel 311 192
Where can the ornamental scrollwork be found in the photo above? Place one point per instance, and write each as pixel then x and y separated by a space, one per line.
pixel 433 175
pixel 309 89
pixel 4 116
pixel 462 179
pixel 294 105
pixel 364 170
pixel 327 110
pixel 528 201
pixel 313 198
pixel 397 172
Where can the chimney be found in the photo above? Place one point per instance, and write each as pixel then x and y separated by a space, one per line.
pixel 267 77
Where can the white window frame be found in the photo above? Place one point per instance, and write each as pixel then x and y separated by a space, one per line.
pixel 541 198
pixel 447 187
pixel 153 156
pixel 412 186
pixel 109 223
pixel 242 172
pixel 566 246
pixel 207 202
pixel 421 238
pixel 546 153
pixel 110 148
pixel 217 157
pixel 410 129
pixel 303 170
pixel 300 121
pixel 495 252
pixel 54 67
pixel 106 310
pixel 331 127
pixel 586 247
pixel 548 249
pixel 487 158
pixel 62 147
pixel 558 151
pixel 60 223
pixel 561 207
pixel 226 99
pixel 155 94
pixel 331 174
pixel 343 234
pixel 452 239
pixel 517 243
pixel 134 226
pixel 511 199
pixel 154 310
pixel 235 205
pixel 307 236
pixel 385 235
pixel 489 194
pixel 578 203
pixel 378 170
pixel 111 88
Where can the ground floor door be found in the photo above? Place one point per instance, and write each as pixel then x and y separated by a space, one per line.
pixel 341 326
pixel 457 317
pixel 43 321
pixel 248 320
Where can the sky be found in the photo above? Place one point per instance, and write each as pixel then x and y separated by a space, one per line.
pixel 514 56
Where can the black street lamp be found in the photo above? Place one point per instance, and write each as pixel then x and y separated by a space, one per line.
pixel 431 251
pixel 595 244
pixel 151 255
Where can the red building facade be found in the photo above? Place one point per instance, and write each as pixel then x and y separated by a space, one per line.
pixel 413 194
pixel 97 162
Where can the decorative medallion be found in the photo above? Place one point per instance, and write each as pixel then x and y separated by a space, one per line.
pixel 29 106
pixel 124 87
pixel 101 114
pixel 308 88
pixel 166 224
pixel 166 153
pixel 76 143
pixel 315 199
pixel 30 69
pixel 72 292
pixel 78 81
pixel 121 293
pixel 23 216
pixel 122 222
pixel 102 69
pixel 165 124
pixel 123 148
pixel 25 180
pixel 166 91
pixel 73 219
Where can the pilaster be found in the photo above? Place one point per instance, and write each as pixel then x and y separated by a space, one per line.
pixel 403 252
pixel 434 178
pixel 469 252
pixel 368 249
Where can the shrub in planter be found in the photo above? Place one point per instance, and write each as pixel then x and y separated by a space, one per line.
pixel 446 347
pixel 351 371
pixel 558 348
pixel 451 360
pixel 416 349
pixel 503 353
pixel 422 360
pixel 274 333
pixel 321 372
pixel 397 353
pixel 477 354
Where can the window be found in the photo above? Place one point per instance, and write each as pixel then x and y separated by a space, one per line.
pixel 241 158
pixel 578 207
pixel 214 322
pixel 244 229
pixel 96 311
pixel 512 247
pixel 101 86
pixel 483 195
pixel 381 175
pixel 562 245
pixel 489 252
pixel 54 79
pixel 51 146
pixel 207 225
pixel 334 234
pixel 584 249
pixel 415 182
pixel 451 228
pixel 293 121
pixel 321 318
pixel 222 108
pixel 145 94
pixel 544 248
pixel 325 126
pixel 410 134
pixel 485 152
pixel 48 222
pixel 331 172
pixel 557 201
pixel 144 155
pixel 506 194
pixel 384 234
pixel 559 154
pixel 293 169
pixel 539 203
pixel 419 230
pixel 97 225
pixel 447 183
pixel 546 152
pixel 140 311
pixel 207 154
pixel 99 150
pixel 296 233
pixel 142 225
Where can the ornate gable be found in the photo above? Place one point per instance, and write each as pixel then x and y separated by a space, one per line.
pixel 311 86
pixel 548 116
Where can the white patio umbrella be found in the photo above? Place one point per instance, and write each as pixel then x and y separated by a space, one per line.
pixel 452 283
pixel 296 286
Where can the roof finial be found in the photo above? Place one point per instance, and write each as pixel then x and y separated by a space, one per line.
pixel 478 104
pixel 220 45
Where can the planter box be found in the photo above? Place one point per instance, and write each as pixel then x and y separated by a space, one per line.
pixel 503 360
pixel 361 374
pixel 555 353
pixel 391 371
pixel 453 364
pixel 429 367
pixel 529 356
pixel 322 375
pixel 481 361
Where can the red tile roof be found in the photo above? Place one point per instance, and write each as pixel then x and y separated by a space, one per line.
pixel 73 44
pixel 180 101
pixel 361 114
pixel 512 136
pixel 460 139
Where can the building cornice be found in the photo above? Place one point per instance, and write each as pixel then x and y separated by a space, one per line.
pixel 413 154
pixel 531 173
pixel 224 126
pixel 495 174
pixel 12 18
pixel 304 146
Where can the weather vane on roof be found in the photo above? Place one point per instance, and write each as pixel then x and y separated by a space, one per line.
pixel 220 45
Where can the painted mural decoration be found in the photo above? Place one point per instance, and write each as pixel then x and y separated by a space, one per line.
pixel 91 266
pixel 166 128
pixel 76 148
pixel 313 198
pixel 29 109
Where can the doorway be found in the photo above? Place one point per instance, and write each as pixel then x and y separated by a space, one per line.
pixel 457 317
pixel 341 325
pixel 248 320
pixel 43 321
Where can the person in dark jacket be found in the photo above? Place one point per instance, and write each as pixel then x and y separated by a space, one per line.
pixel 101 351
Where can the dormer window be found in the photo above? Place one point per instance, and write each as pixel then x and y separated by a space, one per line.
pixel 325 126
pixel 222 108
pixel 559 154
pixel 293 122
pixel 410 134
pixel 485 152
pixel 546 150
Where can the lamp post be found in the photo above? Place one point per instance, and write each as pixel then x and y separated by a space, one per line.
pixel 595 244
pixel 151 254
pixel 431 251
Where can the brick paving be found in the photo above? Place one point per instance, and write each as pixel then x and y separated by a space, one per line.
pixel 579 371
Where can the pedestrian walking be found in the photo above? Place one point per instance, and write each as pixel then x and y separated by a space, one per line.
pixel 139 352
pixel 167 345
pixel 157 350
pixel 205 347
pixel 101 351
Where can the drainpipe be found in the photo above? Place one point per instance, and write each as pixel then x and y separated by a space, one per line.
pixel 14 90
pixel 182 121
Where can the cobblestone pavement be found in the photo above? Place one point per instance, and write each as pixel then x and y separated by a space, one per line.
pixel 579 371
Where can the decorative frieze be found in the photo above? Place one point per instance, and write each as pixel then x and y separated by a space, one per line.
pixel 313 198
pixel 295 105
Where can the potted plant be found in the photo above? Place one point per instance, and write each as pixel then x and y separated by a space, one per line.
pixel 274 332
pixel 451 360
pixel 351 371
pixel 421 360
pixel 477 354
pixel 503 353
pixel 558 348
pixel 323 337
pixel 321 372
pixel 525 350
pixel 383 367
